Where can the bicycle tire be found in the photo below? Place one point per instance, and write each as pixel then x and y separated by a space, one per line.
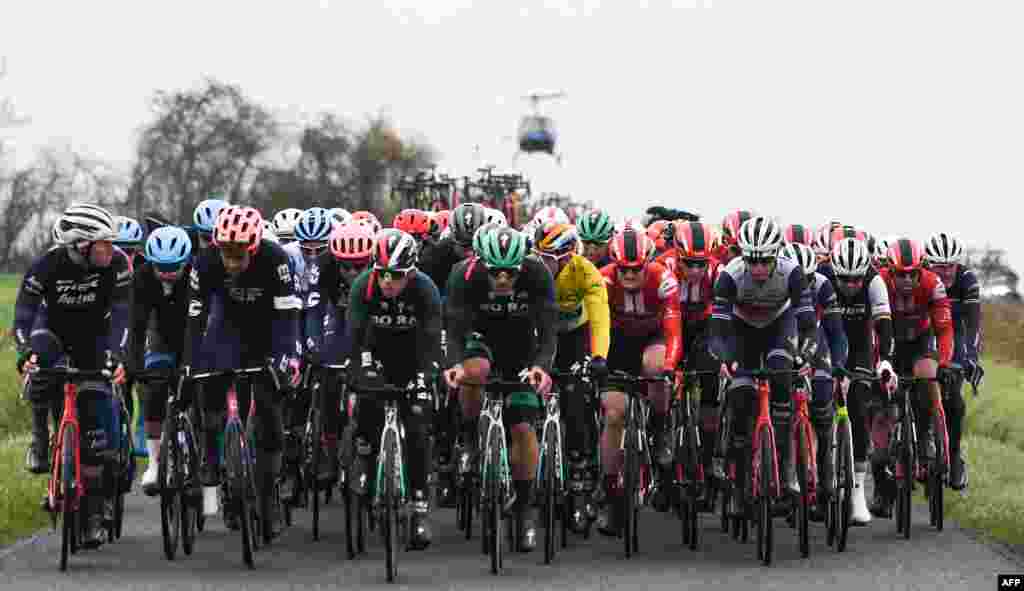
pixel 548 457
pixel 170 501
pixel 629 482
pixel 68 493
pixel 389 497
pixel 694 457
pixel 844 485
pixel 803 504
pixel 313 478
pixel 937 473
pixel 765 524
pixel 362 523
pixel 496 522
pixel 238 485
pixel 907 458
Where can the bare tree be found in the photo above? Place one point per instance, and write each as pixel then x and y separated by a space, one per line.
pixel 8 114
pixel 201 142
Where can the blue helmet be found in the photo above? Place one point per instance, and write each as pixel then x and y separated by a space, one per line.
pixel 167 246
pixel 129 232
pixel 314 225
pixel 204 218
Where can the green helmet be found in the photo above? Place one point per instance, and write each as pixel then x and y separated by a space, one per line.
pixel 595 226
pixel 481 234
pixel 503 248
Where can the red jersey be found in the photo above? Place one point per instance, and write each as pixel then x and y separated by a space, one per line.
pixel 650 310
pixel 927 306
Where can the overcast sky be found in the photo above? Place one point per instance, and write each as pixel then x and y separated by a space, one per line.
pixel 901 116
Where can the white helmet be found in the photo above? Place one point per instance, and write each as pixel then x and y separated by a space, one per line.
pixel 339 216
pixel 802 255
pixel 56 234
pixel 551 214
pixel 943 249
pixel 760 237
pixel 269 233
pixel 285 222
pixel 87 222
pixel 494 216
pixel 850 258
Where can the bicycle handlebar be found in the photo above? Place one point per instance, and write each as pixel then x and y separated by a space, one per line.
pixel 153 375
pixel 84 374
pixel 239 373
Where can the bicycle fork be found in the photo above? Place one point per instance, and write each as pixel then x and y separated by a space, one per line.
pixel 764 424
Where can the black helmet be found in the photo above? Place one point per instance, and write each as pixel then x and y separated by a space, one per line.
pixel 465 220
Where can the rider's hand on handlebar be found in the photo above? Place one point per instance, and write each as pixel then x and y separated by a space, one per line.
pixel 115 364
pixel 540 379
pixel 27 362
pixel 453 376
pixel 887 375
pixel 599 369
pixel 728 370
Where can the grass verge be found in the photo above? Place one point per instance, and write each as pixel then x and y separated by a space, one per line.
pixel 20 492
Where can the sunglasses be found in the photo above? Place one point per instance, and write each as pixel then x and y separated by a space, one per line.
pixel 695 263
pixel 313 248
pixel 511 273
pixel 168 267
pixel 849 279
pixel 906 274
pixel 595 243
pixel 394 274
pixel 354 265
pixel 553 257
pixel 634 270
pixel 758 260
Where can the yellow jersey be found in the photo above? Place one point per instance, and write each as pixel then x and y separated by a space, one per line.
pixel 582 297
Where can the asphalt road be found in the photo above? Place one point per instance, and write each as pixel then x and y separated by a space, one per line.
pixel 876 559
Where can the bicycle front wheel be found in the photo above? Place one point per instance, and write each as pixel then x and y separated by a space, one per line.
pixel 937 474
pixel 68 495
pixel 551 482
pixel 844 485
pixel 239 484
pixel 170 497
pixel 803 453
pixel 765 526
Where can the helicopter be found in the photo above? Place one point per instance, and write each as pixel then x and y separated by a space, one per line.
pixel 537 132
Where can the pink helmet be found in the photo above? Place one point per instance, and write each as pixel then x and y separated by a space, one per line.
pixel 239 225
pixel 352 241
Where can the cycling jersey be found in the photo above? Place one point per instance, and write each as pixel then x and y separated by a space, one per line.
pixel 80 304
pixel 326 309
pixel 926 307
pixel 649 310
pixel 862 312
pixel 161 309
pixel 582 297
pixel 437 262
pixel 965 301
pixel 697 297
pixel 406 327
pixel 525 320
pixel 263 291
pixel 830 326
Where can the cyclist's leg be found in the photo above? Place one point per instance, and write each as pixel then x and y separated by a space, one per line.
pixel 658 394
pixel 522 411
pixel 858 364
pixel 572 346
pixel 925 366
pixel 625 354
pixel 153 411
pixel 953 403
pixel 779 332
pixel 44 394
pixel 750 349
pixel 702 360
pixel 477 366
pixel 269 438
pixel 99 420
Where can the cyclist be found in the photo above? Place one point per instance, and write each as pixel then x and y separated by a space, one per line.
pixel 798 233
pixel 369 218
pixel 251 280
pixel 761 311
pixel 500 317
pixel 728 249
pixel 595 228
pixel 863 301
pixel 73 305
pixel 129 241
pixel 350 253
pixel 159 313
pixel 921 320
pixel 646 340
pixel 829 364
pixel 394 310
pixel 285 222
pixel 692 260
pixel 339 216
pixel 551 213
pixel 944 256
pixel 660 232
pixel 583 327
pixel 438 262
pixel 416 223
pixel 203 219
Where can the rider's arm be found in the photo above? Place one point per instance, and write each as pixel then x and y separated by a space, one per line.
pixel 428 327
pixel 458 313
pixel 285 331
pixel 358 319
pixel 120 306
pixel 30 298
pixel 315 310
pixel 940 311
pixel 595 302
pixel 544 308
pixel 878 299
pixel 142 306
pixel 720 326
pixel 971 310
pixel 832 322
pixel 801 301
pixel 671 320
pixel 199 290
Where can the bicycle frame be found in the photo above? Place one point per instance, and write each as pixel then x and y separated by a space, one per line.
pixel 763 423
pixel 58 497
pixel 552 420
pixel 801 396
pixel 397 480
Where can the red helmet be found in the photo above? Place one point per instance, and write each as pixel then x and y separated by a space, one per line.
pixel 413 221
pixel 352 242
pixel 365 216
pixel 842 232
pixel 441 219
pixel 631 248
pixel 694 240
pixel 239 225
pixel 731 225
pixel 657 233
pixel 799 234
pixel 905 255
